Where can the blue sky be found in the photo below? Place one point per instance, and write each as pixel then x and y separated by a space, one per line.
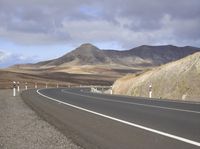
pixel 36 30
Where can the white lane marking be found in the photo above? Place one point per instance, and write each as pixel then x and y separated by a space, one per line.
pixel 125 122
pixel 138 104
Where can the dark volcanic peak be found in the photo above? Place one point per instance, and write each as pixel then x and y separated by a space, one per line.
pixel 87 47
pixel 86 54
pixel 85 50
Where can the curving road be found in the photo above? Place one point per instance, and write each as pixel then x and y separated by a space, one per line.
pixel 118 122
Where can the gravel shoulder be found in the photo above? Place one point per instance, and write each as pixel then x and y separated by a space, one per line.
pixel 21 127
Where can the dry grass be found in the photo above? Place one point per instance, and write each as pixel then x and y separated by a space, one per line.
pixel 7 77
pixel 52 78
pixel 64 74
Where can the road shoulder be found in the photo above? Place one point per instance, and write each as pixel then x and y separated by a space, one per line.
pixel 21 127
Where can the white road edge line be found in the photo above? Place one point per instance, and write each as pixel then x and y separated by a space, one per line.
pixel 125 122
pixel 139 104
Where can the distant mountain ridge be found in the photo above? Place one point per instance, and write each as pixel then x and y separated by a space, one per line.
pixel 142 56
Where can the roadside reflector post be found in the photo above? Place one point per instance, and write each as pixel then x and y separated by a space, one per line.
pixel 57 85
pixel 14 88
pixel 46 85
pixel 92 89
pixel 35 85
pixel 111 91
pixel 150 91
pixel 26 86
pixel 18 86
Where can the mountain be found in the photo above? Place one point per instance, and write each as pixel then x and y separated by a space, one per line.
pixel 175 80
pixel 143 56
pixel 88 64
pixel 86 54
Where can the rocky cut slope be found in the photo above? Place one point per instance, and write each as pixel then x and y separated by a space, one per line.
pixel 176 80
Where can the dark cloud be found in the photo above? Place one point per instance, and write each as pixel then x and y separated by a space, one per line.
pixel 126 22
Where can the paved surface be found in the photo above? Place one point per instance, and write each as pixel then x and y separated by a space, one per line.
pixel 21 128
pixel 104 121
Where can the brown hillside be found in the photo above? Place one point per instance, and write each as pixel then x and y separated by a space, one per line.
pixel 176 80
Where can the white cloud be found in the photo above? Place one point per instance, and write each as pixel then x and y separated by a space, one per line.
pixel 3 56
pixel 8 59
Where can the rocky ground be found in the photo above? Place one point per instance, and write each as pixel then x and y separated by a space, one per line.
pixel 21 128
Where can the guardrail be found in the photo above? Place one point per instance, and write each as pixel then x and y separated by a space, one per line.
pixel 101 89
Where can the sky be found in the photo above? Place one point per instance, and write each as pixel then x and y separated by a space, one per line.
pixel 35 30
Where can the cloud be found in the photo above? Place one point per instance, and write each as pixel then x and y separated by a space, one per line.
pixel 2 56
pixel 125 22
pixel 8 59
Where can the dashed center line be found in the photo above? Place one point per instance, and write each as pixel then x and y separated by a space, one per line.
pixel 126 102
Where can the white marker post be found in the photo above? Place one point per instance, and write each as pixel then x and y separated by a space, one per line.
pixel 46 85
pixel 14 88
pixel 26 86
pixel 35 85
pixel 57 85
pixel 18 86
pixel 150 91
pixel 111 90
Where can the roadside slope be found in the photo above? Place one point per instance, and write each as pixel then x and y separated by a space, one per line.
pixel 176 80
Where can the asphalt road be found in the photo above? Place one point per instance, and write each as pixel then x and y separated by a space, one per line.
pixel 118 122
